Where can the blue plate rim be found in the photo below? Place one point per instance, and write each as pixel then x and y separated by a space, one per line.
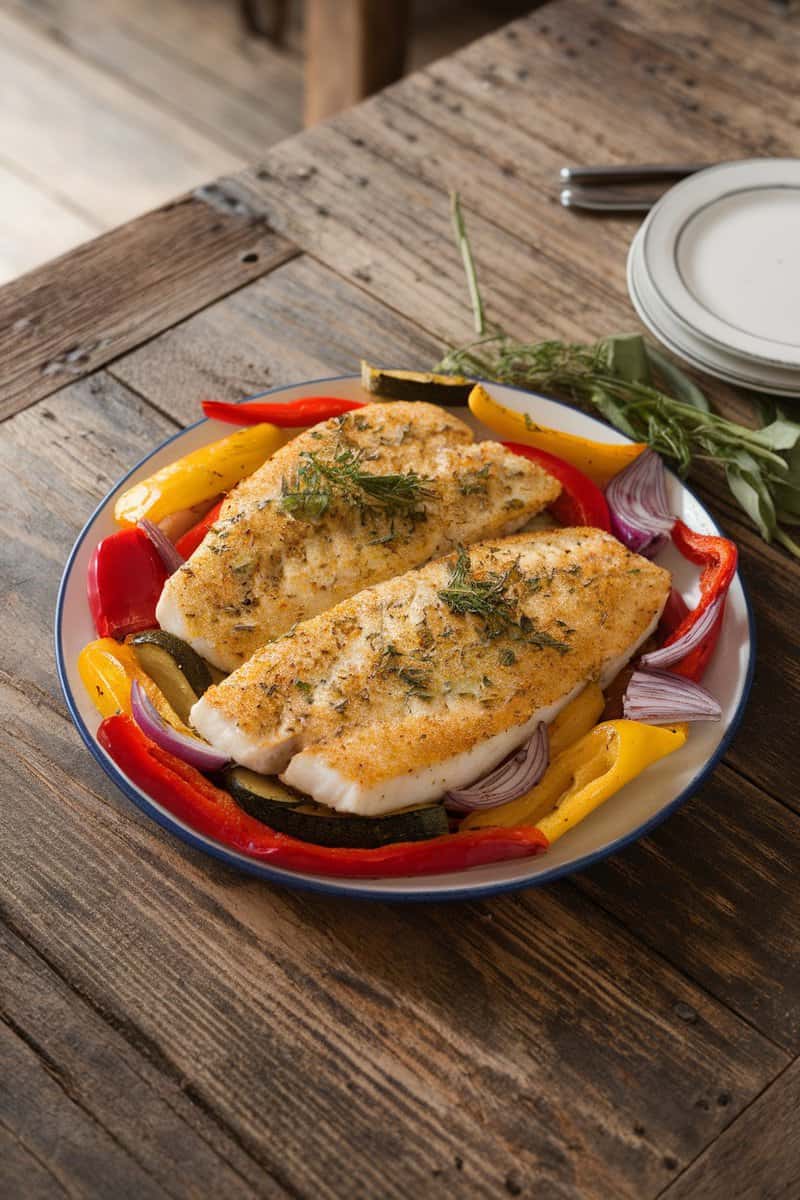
pixel 290 878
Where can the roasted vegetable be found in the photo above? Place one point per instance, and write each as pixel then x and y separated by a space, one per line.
pixel 108 670
pixel 174 667
pixel 601 461
pixel 199 476
pixel 288 811
pixel 450 390
pixel 209 810
pixel 123 584
pixel 584 775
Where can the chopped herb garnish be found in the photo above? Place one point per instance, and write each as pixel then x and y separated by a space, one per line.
pixel 482 597
pixel 486 598
pixel 418 681
pixel 474 482
pixel 318 481
pixel 304 687
pixel 507 658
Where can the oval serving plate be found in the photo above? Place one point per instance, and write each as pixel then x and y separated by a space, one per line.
pixel 640 806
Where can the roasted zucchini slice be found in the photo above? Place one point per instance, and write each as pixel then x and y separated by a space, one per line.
pixel 449 390
pixel 173 666
pixel 260 795
pixel 288 811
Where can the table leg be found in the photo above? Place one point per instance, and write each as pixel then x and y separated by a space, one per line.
pixel 353 48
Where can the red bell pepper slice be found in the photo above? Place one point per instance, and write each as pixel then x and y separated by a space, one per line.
pixel 124 583
pixel 296 414
pixel 209 810
pixel 581 502
pixel 718 557
pixel 188 543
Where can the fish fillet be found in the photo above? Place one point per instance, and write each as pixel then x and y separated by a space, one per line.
pixel 262 568
pixel 398 694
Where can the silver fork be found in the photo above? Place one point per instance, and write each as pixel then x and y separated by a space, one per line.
pixel 594 197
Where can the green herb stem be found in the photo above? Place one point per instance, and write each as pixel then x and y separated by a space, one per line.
pixel 614 377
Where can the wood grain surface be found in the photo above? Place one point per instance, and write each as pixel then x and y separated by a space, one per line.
pixel 190 58
pixel 63 320
pixel 186 1029
pixel 758 1157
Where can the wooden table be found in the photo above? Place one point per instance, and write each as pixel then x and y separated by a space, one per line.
pixel 172 1028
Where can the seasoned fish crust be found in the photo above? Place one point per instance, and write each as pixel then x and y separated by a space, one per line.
pixel 261 569
pixel 396 681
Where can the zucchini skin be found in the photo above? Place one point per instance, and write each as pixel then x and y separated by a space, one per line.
pixel 309 822
pixel 186 660
pixel 452 391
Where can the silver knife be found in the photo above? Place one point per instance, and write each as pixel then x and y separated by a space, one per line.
pixel 630 174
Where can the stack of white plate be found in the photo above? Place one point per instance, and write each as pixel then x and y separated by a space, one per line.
pixel 714 273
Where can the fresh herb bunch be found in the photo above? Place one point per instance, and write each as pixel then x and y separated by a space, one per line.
pixel 318 481
pixel 616 376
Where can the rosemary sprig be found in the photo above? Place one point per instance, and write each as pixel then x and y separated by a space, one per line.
pixel 618 377
pixel 317 481
pixel 488 599
pixel 485 598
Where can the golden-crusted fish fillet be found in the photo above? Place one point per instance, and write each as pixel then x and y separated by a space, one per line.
pixel 425 682
pixel 292 541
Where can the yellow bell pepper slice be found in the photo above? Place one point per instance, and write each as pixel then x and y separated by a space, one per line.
pixel 601 461
pixel 107 670
pixel 584 775
pixel 579 716
pixel 201 475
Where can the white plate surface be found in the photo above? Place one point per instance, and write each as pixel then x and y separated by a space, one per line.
pixel 722 249
pixel 698 351
pixel 629 814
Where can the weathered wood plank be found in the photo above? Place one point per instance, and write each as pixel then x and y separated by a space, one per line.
pixel 121 1122
pixel 21 1174
pixel 758 1156
pixel 80 101
pixel 373 221
pixel 758 43
pixel 35 225
pixel 629 66
pixel 301 321
pixel 408 1022
pixel 79 1152
pixel 120 40
pixel 68 317
pixel 712 891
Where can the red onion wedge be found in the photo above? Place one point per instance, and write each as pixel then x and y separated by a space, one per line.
pixel 637 501
pixel 660 698
pixel 190 750
pixel 667 656
pixel 167 552
pixel 675 610
pixel 515 776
